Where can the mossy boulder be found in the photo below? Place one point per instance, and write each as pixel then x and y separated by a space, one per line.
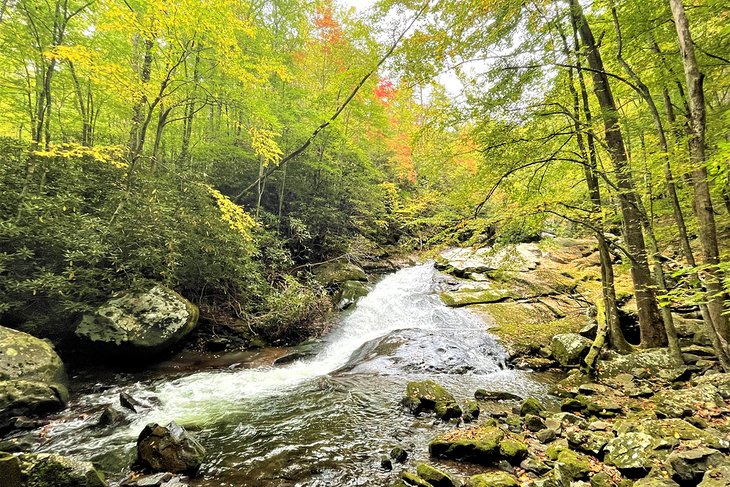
pixel 409 478
pixel 650 363
pixel 591 442
pixel 429 396
pixel 572 466
pixel 488 294
pixel 46 469
pixel 350 293
pixel 569 348
pixel 531 406
pixel 514 450
pixel 655 482
pixel 338 272
pixel 677 403
pixel 633 453
pixel 476 445
pixel 471 411
pixel 32 376
pixel 434 476
pixel 138 324
pixel 673 430
pixel 716 477
pixel 492 479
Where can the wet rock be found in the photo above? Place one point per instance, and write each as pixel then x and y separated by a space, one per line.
pixel 429 351
pixel 485 395
pixel 569 348
pixel 169 449
pixel 154 480
pixel 139 324
pixel 109 416
pixel 689 466
pixel 32 377
pixel 428 396
pixel 338 272
pixel 465 261
pixel 671 403
pixel 399 454
pixel 131 403
pixel 572 466
pixel 412 479
pixel 534 423
pixel 434 476
pixel 47 469
pixel 476 445
pixel 492 479
pixel 632 453
pixel 349 293
pixel 386 463
pixel 531 406
pixel 716 477
pixel 471 411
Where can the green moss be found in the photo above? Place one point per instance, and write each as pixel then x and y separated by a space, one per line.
pixel 573 465
pixel 476 445
pixel 492 479
pixel 434 476
pixel 513 449
pixel 413 479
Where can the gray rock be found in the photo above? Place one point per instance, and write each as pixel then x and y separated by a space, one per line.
pixel 139 324
pixel 632 453
pixel 648 363
pixel 169 449
pixel 689 466
pixel 716 477
pixel 485 395
pixel 32 377
pixel 569 348
pixel 677 403
pixel 531 406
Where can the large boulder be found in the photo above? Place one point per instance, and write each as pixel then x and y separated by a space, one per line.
pixel 476 445
pixel 689 466
pixel 350 293
pixel 32 376
pixel 338 272
pixel 46 469
pixel 716 477
pixel 492 479
pixel 569 348
pixel 139 324
pixel 651 363
pixel 169 449
pixel 632 453
pixel 428 396
pixel 678 403
pixel 463 261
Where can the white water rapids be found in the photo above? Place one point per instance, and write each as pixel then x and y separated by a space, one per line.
pixel 317 418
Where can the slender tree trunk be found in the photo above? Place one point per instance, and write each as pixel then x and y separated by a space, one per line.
pixel 609 326
pixel 702 200
pixel 136 134
pixel 650 324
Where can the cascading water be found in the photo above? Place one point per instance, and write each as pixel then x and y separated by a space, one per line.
pixel 316 422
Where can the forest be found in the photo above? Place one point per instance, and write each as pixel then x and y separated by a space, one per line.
pixel 206 204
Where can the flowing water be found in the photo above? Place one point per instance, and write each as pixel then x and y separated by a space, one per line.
pixel 321 421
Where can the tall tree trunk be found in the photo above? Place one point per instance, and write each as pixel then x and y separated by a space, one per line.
pixel 609 326
pixel 702 200
pixel 650 324
pixel 136 134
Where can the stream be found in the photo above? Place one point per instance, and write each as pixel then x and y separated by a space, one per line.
pixel 319 421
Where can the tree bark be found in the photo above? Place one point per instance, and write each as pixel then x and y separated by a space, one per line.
pixel 650 324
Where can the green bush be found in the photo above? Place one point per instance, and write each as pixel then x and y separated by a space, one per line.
pixel 74 231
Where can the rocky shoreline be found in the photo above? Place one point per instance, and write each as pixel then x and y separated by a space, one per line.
pixel 640 420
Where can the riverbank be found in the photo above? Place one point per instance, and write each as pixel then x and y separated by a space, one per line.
pixel 641 420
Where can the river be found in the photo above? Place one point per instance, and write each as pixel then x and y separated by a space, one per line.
pixel 320 421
